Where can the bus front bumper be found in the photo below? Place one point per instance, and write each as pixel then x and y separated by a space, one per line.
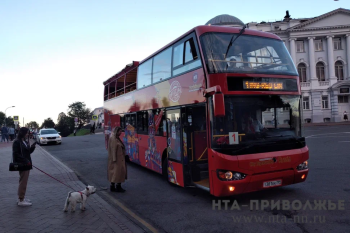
pixel 253 183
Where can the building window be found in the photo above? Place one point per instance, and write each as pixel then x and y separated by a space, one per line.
pixel 325 101
pixel 339 72
pixel 300 46
pixel 318 45
pixel 320 71
pixel 306 103
pixel 302 72
pixel 337 43
pixel 344 90
pixel 343 99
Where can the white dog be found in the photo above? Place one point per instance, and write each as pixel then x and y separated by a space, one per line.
pixel 78 197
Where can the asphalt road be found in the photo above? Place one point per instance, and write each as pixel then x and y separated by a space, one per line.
pixel 169 208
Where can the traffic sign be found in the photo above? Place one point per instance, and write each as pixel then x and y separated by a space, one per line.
pixel 94 117
pixel 76 119
pixel 15 118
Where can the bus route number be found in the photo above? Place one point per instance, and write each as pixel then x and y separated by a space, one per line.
pixel 233 138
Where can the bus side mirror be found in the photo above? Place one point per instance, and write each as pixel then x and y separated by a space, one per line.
pixel 219 105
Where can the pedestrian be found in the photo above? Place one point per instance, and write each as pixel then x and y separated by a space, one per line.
pixel 93 128
pixel 4 133
pixel 12 133
pixel 21 154
pixel 117 172
pixel 345 116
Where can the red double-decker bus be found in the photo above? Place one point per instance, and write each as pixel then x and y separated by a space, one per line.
pixel 217 108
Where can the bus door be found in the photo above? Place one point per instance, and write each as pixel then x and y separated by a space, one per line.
pixel 196 134
pixel 175 147
pixel 131 139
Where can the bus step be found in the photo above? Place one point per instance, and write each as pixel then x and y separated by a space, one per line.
pixel 204 175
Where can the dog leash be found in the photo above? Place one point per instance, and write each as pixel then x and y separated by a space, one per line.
pixel 55 178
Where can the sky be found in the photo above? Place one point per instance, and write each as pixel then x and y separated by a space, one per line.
pixel 53 53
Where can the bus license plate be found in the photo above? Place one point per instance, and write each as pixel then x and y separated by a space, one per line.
pixel 273 183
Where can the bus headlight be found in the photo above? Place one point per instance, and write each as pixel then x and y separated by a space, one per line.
pixel 303 166
pixel 230 175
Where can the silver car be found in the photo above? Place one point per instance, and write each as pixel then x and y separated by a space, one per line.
pixel 46 136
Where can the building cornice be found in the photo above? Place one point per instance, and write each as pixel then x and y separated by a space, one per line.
pixel 339 10
pixel 319 28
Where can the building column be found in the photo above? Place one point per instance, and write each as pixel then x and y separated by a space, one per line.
pixel 313 78
pixel 348 54
pixel 330 53
pixel 334 106
pixel 293 49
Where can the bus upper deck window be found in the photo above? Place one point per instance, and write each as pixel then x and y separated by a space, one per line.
pixel 190 51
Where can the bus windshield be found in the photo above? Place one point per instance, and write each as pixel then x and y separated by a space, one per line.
pixel 257 119
pixel 247 54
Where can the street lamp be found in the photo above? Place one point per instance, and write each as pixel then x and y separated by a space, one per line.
pixel 5 113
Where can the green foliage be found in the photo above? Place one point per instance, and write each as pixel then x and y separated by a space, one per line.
pixel 65 125
pixel 48 123
pixel 32 124
pixel 10 122
pixel 2 118
pixel 79 110
pixel 80 132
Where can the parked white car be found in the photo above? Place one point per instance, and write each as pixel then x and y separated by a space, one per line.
pixel 46 136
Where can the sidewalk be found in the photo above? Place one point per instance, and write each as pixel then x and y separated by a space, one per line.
pixel 48 197
pixel 326 124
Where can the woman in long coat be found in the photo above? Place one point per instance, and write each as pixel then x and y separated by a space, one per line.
pixel 117 173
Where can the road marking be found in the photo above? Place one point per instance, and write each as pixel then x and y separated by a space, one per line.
pixel 132 214
pixel 324 134
pixel 344 141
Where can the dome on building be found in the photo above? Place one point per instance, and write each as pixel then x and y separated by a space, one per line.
pixel 225 20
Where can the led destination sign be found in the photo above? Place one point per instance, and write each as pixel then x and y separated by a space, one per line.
pixel 263 84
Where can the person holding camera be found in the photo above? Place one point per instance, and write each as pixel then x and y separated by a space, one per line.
pixel 21 150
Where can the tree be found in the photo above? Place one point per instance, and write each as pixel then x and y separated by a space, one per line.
pixel 2 118
pixel 48 123
pixel 60 116
pixel 79 110
pixel 32 124
pixel 65 125
pixel 10 122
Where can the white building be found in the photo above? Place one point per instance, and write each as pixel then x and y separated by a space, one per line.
pixel 99 113
pixel 320 49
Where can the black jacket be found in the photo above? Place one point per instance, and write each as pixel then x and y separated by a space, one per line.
pixel 21 152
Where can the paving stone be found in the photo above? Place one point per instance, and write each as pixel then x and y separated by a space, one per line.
pixel 48 197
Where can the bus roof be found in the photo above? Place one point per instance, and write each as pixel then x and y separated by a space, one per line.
pixel 126 70
pixel 204 29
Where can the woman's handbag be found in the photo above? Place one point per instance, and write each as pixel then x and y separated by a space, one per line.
pixel 19 166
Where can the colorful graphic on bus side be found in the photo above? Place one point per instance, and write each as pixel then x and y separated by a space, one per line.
pixel 131 144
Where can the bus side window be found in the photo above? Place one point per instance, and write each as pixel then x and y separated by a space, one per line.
pixel 142 122
pixel 161 122
pixel 122 122
pixel 185 57
pixel 133 120
pixel 190 51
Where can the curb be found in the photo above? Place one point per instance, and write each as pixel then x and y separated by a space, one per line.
pixel 105 207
